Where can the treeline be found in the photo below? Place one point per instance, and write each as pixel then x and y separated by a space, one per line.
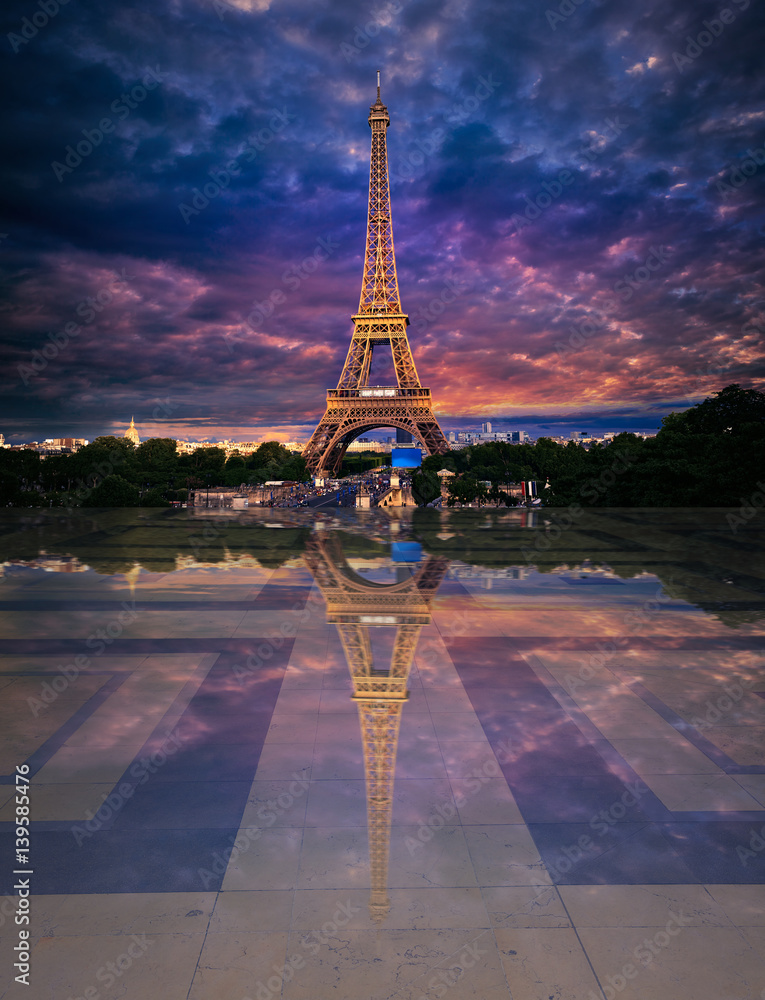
pixel 112 472
pixel 711 455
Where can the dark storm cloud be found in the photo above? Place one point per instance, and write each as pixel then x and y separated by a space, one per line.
pixel 576 200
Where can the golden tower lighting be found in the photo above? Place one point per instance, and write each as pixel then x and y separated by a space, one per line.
pixel 355 406
pixel 356 606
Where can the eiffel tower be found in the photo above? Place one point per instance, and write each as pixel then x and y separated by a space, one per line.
pixel 355 606
pixel 356 406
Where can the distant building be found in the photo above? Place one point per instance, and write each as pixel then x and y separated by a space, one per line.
pixel 132 434
pixel 445 475
pixel 243 448
pixel 364 444
pixel 61 446
pixel 486 428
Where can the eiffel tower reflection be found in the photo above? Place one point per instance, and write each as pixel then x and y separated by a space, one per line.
pixel 356 606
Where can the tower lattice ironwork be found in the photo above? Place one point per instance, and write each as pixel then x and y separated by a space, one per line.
pixel 355 406
pixel 356 606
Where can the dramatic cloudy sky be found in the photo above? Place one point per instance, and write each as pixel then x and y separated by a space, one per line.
pixel 635 289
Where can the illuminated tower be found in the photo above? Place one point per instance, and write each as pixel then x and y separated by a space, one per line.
pixel 356 606
pixel 356 406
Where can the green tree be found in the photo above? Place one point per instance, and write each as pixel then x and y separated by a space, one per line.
pixel 434 463
pixel 101 458
pixel 154 498
pixel 19 472
pixel 728 411
pixel 112 491
pixel 269 451
pixel 464 489
pixel 425 487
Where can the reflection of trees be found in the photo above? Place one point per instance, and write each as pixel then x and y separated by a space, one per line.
pixel 112 541
pixel 692 552
pixel 694 555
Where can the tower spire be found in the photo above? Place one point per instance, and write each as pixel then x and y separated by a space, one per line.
pixel 355 406
pixel 379 287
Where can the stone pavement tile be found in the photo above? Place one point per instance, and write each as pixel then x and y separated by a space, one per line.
pixel 237 964
pixel 701 793
pixel 641 905
pixel 407 964
pixel 123 913
pixel 544 962
pixel 525 906
pixel 252 910
pixel 269 862
pixel 743 904
pixel 697 963
pixel 504 855
pixel 138 965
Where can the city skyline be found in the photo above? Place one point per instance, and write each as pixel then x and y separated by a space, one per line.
pixel 471 434
pixel 574 196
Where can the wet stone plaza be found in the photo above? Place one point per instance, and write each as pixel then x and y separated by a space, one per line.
pixel 382 755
